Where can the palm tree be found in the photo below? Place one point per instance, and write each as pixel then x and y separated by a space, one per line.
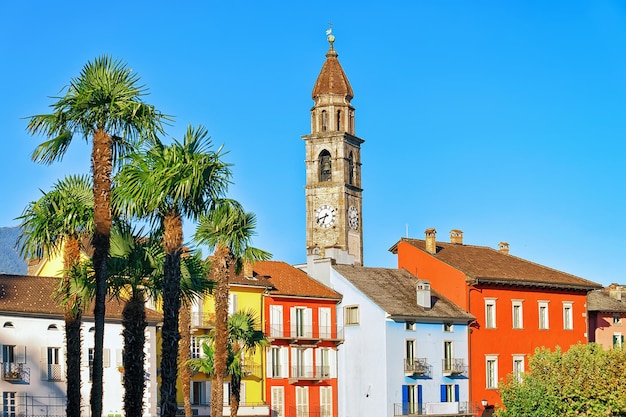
pixel 59 222
pixel 243 340
pixel 136 271
pixel 228 230
pixel 165 184
pixel 103 103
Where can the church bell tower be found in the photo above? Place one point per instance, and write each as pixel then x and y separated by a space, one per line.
pixel 333 169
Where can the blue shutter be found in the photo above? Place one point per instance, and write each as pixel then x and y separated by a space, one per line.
pixel 443 393
pixel 419 399
pixel 405 399
pixel 456 393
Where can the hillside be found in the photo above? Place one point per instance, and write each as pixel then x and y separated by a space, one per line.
pixel 10 260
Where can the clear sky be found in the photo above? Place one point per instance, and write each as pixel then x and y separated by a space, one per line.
pixel 506 120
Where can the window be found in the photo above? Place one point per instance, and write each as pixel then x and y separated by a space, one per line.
pixel 351 315
pixel 323 362
pixel 339 120
pixel 325 166
pixel 276 321
pixel 9 404
pixel 351 169
pixel 411 399
pixel 302 362
pixel 13 359
pixel 196 347
pixel 448 360
pixel 567 316
pixel 448 327
pixel 326 401
pixel 277 362
pixel 618 341
pixel 492 371
pixel 518 314
pixel 324 121
pixel 490 313
pixel 518 367
pixel 199 393
pixel 232 304
pixel 409 351
pixel 278 402
pixel 302 401
pixel 409 326
pixel 53 355
pixel 301 322
pixel 617 320
pixel 449 393
pixel 543 315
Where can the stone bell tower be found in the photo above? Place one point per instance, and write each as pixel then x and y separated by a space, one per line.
pixel 334 224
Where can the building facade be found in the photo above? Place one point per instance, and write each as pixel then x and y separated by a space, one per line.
pixel 519 305
pixel 607 316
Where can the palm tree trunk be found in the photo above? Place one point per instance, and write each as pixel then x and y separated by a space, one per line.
pixel 184 354
pixel 72 315
pixel 101 166
pixel 235 394
pixel 220 270
pixel 133 357
pixel 173 242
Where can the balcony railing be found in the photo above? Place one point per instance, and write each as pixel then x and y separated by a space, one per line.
pixel 311 373
pixel 418 367
pixel 202 320
pixel 252 369
pixel 15 372
pixel 55 372
pixel 281 331
pixel 454 366
pixel 462 408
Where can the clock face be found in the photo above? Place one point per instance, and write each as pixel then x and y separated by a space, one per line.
pixel 353 218
pixel 325 216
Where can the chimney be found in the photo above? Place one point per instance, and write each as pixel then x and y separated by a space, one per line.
pixel 247 269
pixel 503 247
pixel 431 242
pixel 423 294
pixel 456 237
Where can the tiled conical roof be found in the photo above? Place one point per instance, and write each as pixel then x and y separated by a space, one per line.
pixel 332 79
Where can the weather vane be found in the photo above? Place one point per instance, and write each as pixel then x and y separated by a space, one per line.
pixel 330 28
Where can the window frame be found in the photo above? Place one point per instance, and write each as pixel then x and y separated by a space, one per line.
pixel 517 314
pixel 543 315
pixel 491 382
pixel 351 315
pixel 568 315
pixel 517 373
pixel 490 313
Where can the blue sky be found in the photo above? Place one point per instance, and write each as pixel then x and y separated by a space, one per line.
pixel 506 120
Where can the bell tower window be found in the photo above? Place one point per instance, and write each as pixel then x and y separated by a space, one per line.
pixel 325 166
pixel 338 120
pixel 324 121
pixel 351 169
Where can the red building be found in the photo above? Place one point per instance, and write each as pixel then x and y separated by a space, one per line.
pixel 301 324
pixel 519 305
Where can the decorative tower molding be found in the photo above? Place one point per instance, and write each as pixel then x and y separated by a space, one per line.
pixel 333 168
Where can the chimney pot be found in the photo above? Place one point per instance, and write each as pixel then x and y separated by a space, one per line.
pixel 456 237
pixel 503 247
pixel 431 241
pixel 423 294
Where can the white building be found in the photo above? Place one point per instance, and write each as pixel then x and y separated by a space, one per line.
pixel 32 381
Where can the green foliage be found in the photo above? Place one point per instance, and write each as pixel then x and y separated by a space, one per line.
pixel 584 381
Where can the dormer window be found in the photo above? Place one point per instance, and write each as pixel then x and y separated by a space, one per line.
pixel 325 166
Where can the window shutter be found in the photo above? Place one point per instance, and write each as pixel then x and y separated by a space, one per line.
pixel 293 321
pixel 106 357
pixel 20 354
pixel 405 394
pixel 308 322
pixel 44 362
pixel 443 393
pixel 268 362
pixel 119 360
pixel 419 395
pixel 456 392
pixel 332 362
pixel 284 366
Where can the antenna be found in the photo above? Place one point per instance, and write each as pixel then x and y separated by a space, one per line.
pixel 407 230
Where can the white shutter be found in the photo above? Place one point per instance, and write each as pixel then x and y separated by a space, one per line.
pixel 325 331
pixel 106 357
pixel 308 322
pixel 293 321
pixel 119 358
pixel 44 362
pixel 20 354
pixel 268 362
pixel 232 304
pixel 284 365
pixel 276 321
pixel 318 363
pixel 326 401
pixel 278 402
pixel 332 362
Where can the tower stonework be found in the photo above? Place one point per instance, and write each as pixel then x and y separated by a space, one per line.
pixel 333 169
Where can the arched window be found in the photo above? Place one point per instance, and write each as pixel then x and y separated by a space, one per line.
pixel 53 327
pixel 324 121
pixel 8 324
pixel 339 120
pixel 351 169
pixel 325 166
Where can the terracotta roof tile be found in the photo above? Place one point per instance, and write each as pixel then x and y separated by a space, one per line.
pixel 289 280
pixel 332 79
pixel 394 291
pixel 34 295
pixel 602 301
pixel 489 265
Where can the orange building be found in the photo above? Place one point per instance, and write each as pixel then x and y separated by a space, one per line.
pixel 519 305
pixel 301 324
pixel 607 316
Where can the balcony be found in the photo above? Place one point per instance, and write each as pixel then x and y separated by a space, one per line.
pixel 305 334
pixel 309 373
pixel 251 370
pixel 202 320
pixel 452 409
pixel 454 367
pixel 15 373
pixel 418 367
